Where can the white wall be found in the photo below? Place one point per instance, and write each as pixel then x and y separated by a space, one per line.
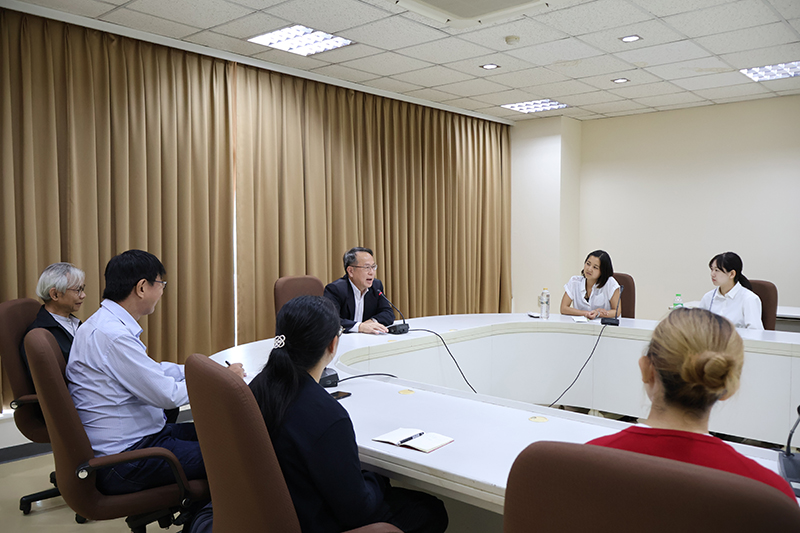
pixel 665 192
pixel 662 193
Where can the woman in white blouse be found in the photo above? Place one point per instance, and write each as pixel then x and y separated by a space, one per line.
pixel 595 293
pixel 733 297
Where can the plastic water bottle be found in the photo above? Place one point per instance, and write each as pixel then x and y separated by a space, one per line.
pixel 678 302
pixel 544 304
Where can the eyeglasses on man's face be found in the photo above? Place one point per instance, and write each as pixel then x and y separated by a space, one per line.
pixel 79 290
pixel 373 268
pixel 162 282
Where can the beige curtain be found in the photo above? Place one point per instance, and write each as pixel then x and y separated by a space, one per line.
pixel 321 169
pixel 110 143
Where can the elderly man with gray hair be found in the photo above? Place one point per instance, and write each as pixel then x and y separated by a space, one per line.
pixel 61 288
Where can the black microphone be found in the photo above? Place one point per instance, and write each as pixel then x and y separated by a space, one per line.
pixel 396 329
pixel 614 321
pixel 789 463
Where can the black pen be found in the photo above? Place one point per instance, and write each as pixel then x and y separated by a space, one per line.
pixel 227 363
pixel 412 437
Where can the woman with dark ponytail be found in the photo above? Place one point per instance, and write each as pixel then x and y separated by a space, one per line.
pixel 314 439
pixel 694 360
pixel 733 296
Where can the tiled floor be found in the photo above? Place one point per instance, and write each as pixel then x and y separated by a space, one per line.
pixel 26 476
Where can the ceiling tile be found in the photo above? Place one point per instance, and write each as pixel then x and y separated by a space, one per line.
pixel 652 32
pixel 684 106
pixel 593 16
pixel 392 32
pixel 789 92
pixel 795 23
pixel 85 8
pixel 472 66
pixel 784 84
pixel 257 4
pixel 528 77
pixel 663 8
pixel 646 90
pixel 344 73
pixel 727 17
pixel 560 89
pixel 223 42
pixel 563 50
pixel 199 13
pixel 328 16
pixel 593 66
pixel 764 56
pixel 288 59
pixel 432 76
pixel 391 84
pixel 663 53
pixel 351 51
pixel 636 76
pixel 434 95
pixel 529 32
pixel 472 87
pixel 389 6
pixel 669 99
pixel 614 107
pixel 735 99
pixel 712 80
pixel 686 69
pixel 507 97
pixel 251 25
pixel 749 38
pixel 732 91
pixel 595 97
pixel 465 103
pixel 788 8
pixel 386 64
pixel 149 23
pixel 445 50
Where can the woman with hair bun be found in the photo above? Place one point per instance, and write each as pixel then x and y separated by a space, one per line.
pixel 694 360
pixel 314 439
pixel 733 296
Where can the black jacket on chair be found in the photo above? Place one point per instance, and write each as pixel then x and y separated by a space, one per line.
pixel 375 306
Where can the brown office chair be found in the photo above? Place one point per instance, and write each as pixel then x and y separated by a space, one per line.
pixel 15 317
pixel 75 460
pixel 247 485
pixel 289 287
pixel 557 486
pixel 628 294
pixel 768 293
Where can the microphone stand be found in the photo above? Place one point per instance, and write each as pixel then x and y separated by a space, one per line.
pixel 614 321
pixel 396 329
pixel 789 463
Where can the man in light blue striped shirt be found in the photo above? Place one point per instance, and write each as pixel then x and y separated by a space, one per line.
pixel 120 392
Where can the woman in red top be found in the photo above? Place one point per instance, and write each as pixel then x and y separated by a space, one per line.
pixel 694 359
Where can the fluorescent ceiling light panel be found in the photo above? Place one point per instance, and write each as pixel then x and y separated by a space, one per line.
pixel 300 40
pixel 773 72
pixel 535 106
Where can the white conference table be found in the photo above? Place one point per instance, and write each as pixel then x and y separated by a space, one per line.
pixel 515 363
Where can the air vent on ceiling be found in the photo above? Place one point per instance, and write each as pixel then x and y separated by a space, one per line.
pixel 467 13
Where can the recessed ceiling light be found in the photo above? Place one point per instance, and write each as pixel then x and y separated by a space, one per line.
pixel 621 80
pixel 490 66
pixel 630 39
pixel 535 106
pixel 773 72
pixel 300 40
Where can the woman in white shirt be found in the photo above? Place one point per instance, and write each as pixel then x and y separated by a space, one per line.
pixel 595 293
pixel 733 297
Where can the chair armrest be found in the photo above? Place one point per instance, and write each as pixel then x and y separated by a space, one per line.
pixel 22 400
pixel 87 468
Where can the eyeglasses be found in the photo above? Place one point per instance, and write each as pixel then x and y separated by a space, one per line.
pixel 79 290
pixel 374 268
pixel 341 330
pixel 163 283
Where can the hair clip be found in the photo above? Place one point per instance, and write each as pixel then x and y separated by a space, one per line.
pixel 280 340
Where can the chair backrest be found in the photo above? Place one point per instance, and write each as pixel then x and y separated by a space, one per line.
pixel 628 294
pixel 557 486
pixel 246 481
pixel 15 317
pixel 289 287
pixel 768 293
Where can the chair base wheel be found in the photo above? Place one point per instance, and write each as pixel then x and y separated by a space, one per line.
pixel 25 508
pixel 79 519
